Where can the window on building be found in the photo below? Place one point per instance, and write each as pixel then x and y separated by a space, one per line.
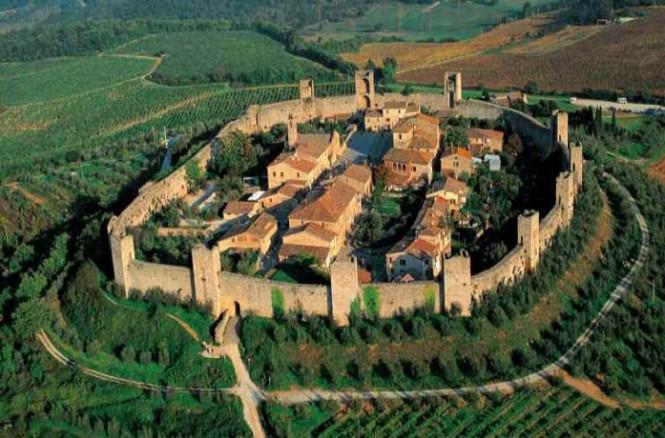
pixel 402 262
pixel 414 168
pixel 281 174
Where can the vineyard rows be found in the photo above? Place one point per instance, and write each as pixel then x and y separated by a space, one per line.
pixel 135 108
pixel 557 412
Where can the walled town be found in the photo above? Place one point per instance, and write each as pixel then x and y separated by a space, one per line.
pixel 337 158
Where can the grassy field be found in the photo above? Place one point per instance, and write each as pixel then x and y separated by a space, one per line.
pixel 44 81
pixel 247 57
pixel 125 110
pixel 441 19
pixel 619 58
pixel 411 56
pixel 556 411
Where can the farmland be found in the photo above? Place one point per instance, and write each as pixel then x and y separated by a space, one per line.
pixel 217 56
pixel 441 19
pixel 619 58
pixel 411 56
pixel 556 411
pixel 48 80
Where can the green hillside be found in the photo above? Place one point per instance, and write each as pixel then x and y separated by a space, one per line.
pixel 218 56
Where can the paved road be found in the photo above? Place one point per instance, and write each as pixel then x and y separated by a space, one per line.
pixel 251 395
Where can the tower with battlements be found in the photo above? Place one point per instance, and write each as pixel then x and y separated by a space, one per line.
pixel 364 89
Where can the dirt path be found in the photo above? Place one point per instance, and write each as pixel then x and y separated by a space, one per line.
pixel 39 200
pixel 190 331
pixel 252 396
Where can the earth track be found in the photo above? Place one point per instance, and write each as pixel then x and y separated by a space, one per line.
pixel 251 395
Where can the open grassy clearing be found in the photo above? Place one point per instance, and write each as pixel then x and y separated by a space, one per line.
pixel 620 58
pixel 442 19
pixel 44 81
pixel 529 412
pixel 214 56
pixel 135 340
pixel 412 56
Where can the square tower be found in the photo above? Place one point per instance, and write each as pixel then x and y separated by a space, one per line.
pixel 364 89
pixel 343 289
pixel 452 88
pixel 457 287
pixel 292 132
pixel 307 89
pixel 565 196
pixel 528 236
pixel 577 164
pixel 560 129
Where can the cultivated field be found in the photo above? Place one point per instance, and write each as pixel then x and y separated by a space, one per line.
pixel 557 411
pixel 441 19
pixel 556 41
pixel 219 55
pixel 47 80
pixel 620 57
pixel 411 56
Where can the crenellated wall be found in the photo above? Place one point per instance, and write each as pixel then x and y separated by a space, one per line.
pixel 207 284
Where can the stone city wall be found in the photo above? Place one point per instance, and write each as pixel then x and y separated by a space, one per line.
pixel 398 298
pixel 226 290
pixel 509 268
pixel 174 280
pixel 255 295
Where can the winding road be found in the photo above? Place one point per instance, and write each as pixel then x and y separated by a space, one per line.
pixel 251 395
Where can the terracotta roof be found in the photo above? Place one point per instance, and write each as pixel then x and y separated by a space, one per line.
pixel 238 208
pixel 486 133
pixel 397 179
pixel 406 278
pixel 327 207
pixel 259 228
pixel 420 247
pixel 364 276
pixel 423 126
pixel 455 186
pixel 312 145
pixel 322 253
pixel 462 152
pixel 358 173
pixel 373 113
pixel 407 156
pixel 395 104
pixel 295 161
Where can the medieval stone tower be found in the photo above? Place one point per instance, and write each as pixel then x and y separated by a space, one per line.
pixel 344 288
pixel 452 88
pixel 457 287
pixel 307 89
pixel 122 254
pixel 565 196
pixel 364 89
pixel 528 236
pixel 292 132
pixel 206 266
pixel 577 164
pixel 560 129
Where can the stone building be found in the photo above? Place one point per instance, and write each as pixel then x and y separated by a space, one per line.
pixel 419 255
pixel 359 177
pixel 482 141
pixel 311 239
pixel 238 209
pixel 257 235
pixel 306 158
pixel 456 161
pixel 388 115
pixel 405 167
